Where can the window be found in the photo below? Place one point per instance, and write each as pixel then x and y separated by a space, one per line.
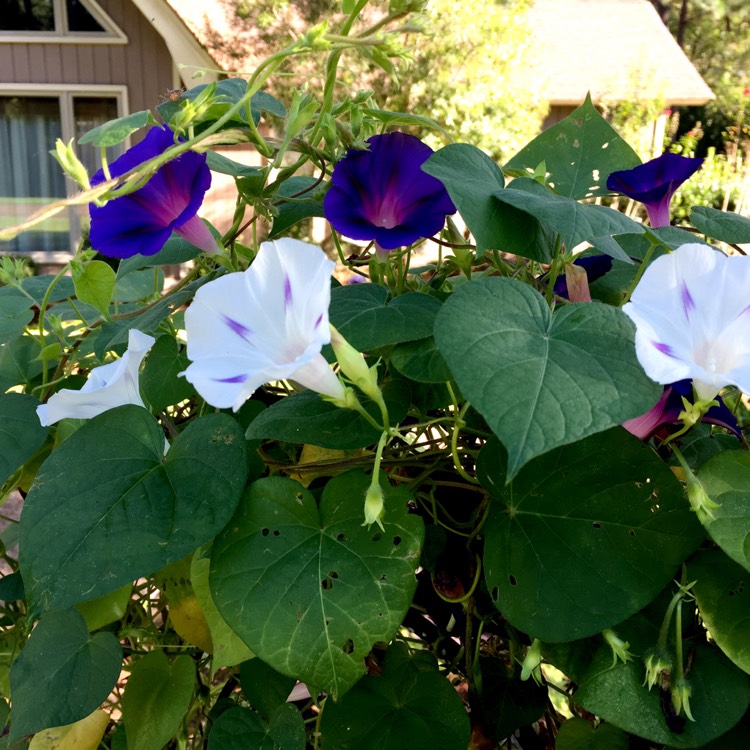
pixel 56 20
pixel 31 178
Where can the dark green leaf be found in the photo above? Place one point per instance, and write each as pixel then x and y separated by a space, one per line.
pixel 311 590
pixel 541 380
pixel 176 250
pixel 160 381
pixel 722 591
pixel 37 287
pixel 578 734
pixel 421 361
pixel 575 222
pixel 140 285
pixel 310 203
pixel 62 674
pixel 241 729
pixel 21 435
pixel 726 479
pixel 116 131
pixel 584 537
pixel 18 362
pixel 720 696
pixel 263 686
pixel 15 313
pixel 579 153
pixel 363 318
pixel 306 418
pixel 409 705
pixel 721 225
pixel 156 699
pixel 127 510
pixel 221 164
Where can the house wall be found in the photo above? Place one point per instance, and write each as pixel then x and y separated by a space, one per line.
pixel 144 65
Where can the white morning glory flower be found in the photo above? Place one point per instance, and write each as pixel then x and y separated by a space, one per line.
pixel 267 323
pixel 108 386
pixel 691 310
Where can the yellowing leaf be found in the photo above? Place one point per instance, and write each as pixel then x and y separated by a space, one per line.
pixel 85 734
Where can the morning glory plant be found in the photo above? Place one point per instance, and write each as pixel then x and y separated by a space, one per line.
pixel 654 183
pixel 382 194
pixel 142 221
pixel 495 495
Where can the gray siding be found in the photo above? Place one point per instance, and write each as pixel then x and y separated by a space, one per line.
pixel 143 65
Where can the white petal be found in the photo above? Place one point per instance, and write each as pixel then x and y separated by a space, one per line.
pixel 245 329
pixel 692 315
pixel 108 386
pixel 318 376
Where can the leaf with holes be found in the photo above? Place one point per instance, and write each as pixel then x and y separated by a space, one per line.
pixel 540 379
pixel 128 510
pixel 722 591
pixel 726 479
pixel 309 589
pixel 584 537
pixel 409 699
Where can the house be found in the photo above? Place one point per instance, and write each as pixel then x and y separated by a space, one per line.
pixel 67 66
pixel 619 50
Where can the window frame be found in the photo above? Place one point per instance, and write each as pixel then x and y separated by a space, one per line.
pixel 65 95
pixel 112 34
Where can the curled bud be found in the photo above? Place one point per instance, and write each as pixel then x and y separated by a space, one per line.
pixel 619 647
pixel 531 666
pixel 681 693
pixel 374 506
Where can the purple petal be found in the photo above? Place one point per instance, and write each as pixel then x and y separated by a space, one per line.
pixel 384 195
pixel 236 379
pixel 654 183
pixel 142 222
pixel 595 266
pixel 241 330
pixel 688 303
pixel 664 349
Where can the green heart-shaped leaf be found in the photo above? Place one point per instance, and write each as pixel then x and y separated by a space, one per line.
pixel 722 590
pixel 128 509
pixel 241 729
pixel 62 674
pixel 584 537
pixel 541 380
pixel 21 435
pixel 410 699
pixel 311 590
pixel 724 226
pixel 726 479
pixel 156 699
pixel 15 313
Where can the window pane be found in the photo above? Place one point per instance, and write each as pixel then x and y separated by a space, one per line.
pixel 30 177
pixel 26 15
pixel 79 18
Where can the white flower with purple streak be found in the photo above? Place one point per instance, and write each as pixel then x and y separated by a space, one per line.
pixel 691 310
pixel 264 324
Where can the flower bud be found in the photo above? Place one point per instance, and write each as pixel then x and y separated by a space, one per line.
pixel 374 506
pixel 71 164
pixel 619 647
pixel 532 662
pixel 657 660
pixel 355 368
pixel 681 693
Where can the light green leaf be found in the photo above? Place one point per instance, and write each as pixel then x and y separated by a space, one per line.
pixel 106 609
pixel 472 180
pixel 726 479
pixel 579 152
pixel 722 591
pixel 156 698
pixel 410 704
pixel 128 510
pixel 62 674
pixel 116 131
pixel 724 226
pixel 21 435
pixel 541 380
pixel 241 729
pixel 228 648
pixel 311 590
pixel 94 283
pixel 584 537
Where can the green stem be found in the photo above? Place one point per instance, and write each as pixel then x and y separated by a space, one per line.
pixel 641 269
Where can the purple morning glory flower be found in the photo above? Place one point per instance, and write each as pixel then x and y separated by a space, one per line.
pixel 143 221
pixel 595 266
pixel 383 194
pixel 654 183
pixel 667 410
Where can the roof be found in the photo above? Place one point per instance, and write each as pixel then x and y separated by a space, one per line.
pixel 616 49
